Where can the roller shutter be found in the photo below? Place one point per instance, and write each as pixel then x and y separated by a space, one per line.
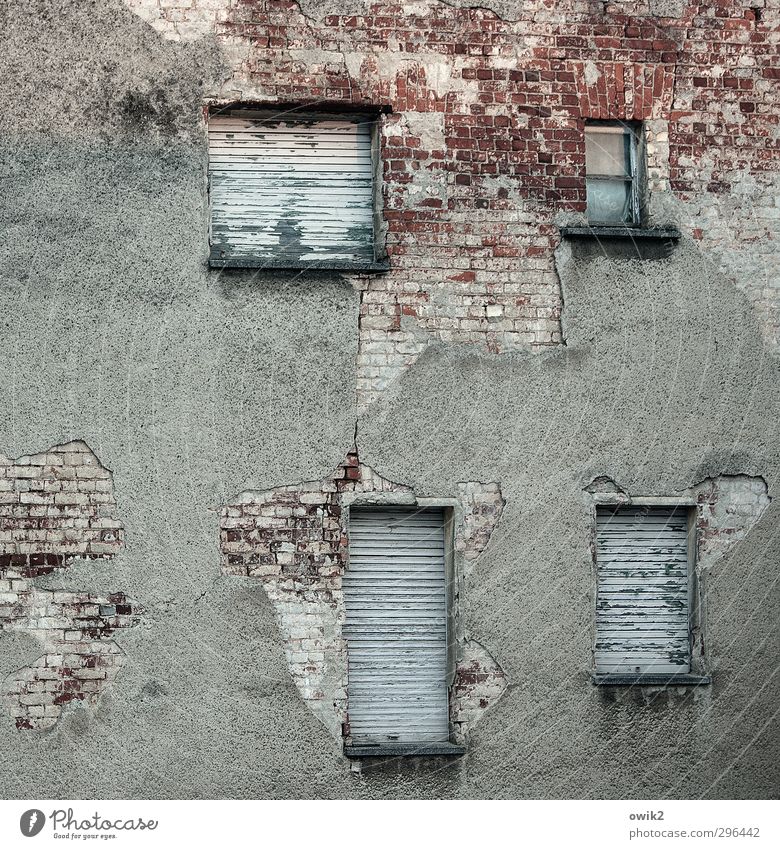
pixel 291 193
pixel 643 608
pixel 396 626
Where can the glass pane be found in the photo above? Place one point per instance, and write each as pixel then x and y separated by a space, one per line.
pixel 609 201
pixel 607 153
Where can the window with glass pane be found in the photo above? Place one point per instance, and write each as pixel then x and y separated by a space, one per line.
pixel 611 174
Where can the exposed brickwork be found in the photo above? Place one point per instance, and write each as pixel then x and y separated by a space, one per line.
pixel 484 153
pixel 483 504
pixel 56 506
pixel 479 683
pixel 181 20
pixel 294 539
pixel 729 506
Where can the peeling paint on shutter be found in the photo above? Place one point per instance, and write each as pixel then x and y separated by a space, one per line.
pixel 291 193
pixel 396 626
pixel 642 609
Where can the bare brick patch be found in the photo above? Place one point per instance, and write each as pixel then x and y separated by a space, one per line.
pixel 295 540
pixel 54 507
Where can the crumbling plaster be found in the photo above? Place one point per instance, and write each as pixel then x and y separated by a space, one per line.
pixel 295 541
pixel 57 506
pixel 192 386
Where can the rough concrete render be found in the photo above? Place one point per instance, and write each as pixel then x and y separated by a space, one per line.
pixel 150 640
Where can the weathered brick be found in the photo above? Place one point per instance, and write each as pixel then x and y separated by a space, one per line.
pixel 36 541
pixel 303 578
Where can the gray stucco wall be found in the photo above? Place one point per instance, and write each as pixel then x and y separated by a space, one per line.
pixel 663 383
pixel 192 386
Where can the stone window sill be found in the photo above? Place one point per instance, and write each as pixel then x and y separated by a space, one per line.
pixel 265 265
pixel 409 750
pixel 686 680
pixel 600 231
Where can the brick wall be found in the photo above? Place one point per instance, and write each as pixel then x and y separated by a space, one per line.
pixel 55 507
pixel 479 683
pixel 294 540
pixel 729 506
pixel 483 152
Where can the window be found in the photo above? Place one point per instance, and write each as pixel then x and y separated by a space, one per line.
pixel 396 600
pixel 644 563
pixel 292 191
pixel 612 174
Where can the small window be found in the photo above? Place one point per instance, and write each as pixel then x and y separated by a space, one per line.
pixel 643 604
pixel 612 174
pixel 396 600
pixel 292 191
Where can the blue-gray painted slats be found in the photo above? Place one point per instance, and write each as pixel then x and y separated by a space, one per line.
pixel 396 626
pixel 291 193
pixel 642 607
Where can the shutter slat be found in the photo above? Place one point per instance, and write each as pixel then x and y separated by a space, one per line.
pixel 396 626
pixel 642 608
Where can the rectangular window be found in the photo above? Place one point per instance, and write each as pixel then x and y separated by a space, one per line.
pixel 293 191
pixel 612 174
pixel 643 604
pixel 395 594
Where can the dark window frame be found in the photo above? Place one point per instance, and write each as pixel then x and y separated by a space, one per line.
pixel 636 167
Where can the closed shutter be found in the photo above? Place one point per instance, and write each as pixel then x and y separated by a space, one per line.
pixel 291 193
pixel 642 612
pixel 396 626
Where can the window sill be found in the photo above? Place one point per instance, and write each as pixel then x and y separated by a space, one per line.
pixel 603 231
pixel 686 680
pixel 270 265
pixel 409 750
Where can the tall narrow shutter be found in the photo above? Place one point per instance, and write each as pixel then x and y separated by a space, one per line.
pixel 396 626
pixel 291 192
pixel 642 611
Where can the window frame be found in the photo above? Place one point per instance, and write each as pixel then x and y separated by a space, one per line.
pixel 697 673
pixel 307 113
pixel 450 509
pixel 637 167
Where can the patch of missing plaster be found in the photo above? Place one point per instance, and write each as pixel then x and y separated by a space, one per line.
pixel 728 507
pixel 483 505
pixel 737 233
pixel 57 506
pixel 294 540
pixel 604 484
pixel 187 21
pixel 479 683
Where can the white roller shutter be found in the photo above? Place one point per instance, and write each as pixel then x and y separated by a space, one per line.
pixel 642 610
pixel 396 626
pixel 291 193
